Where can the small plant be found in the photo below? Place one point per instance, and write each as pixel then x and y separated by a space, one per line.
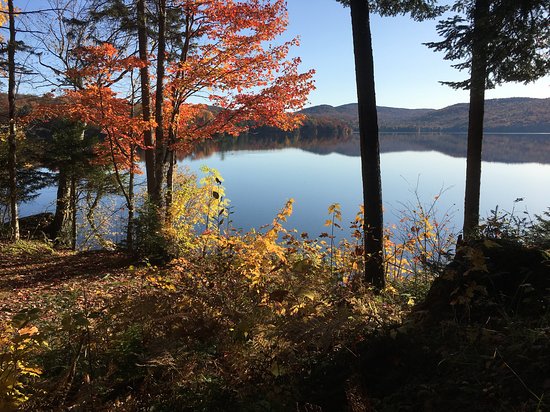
pixel 197 212
pixel 18 342
pixel 539 232
pixel 421 244
pixel 151 242
pixel 501 224
pixel 335 217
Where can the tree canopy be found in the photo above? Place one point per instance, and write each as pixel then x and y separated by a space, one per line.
pixel 517 34
pixel 417 9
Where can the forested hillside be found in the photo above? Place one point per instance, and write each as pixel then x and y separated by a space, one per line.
pixel 513 115
pixel 336 123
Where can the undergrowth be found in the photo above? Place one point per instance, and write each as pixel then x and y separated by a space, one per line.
pixel 267 320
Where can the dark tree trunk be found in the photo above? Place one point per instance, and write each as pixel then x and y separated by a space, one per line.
pixel 170 184
pixel 73 212
pixel 61 207
pixel 12 142
pixel 370 147
pixel 478 78
pixel 159 105
pixel 146 97
pixel 131 204
pixel 131 182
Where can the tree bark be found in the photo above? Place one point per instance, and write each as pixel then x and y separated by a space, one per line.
pixel 146 97
pixel 12 137
pixel 61 207
pixel 131 182
pixel 160 144
pixel 73 212
pixel 370 146
pixel 478 79
pixel 170 184
pixel 131 204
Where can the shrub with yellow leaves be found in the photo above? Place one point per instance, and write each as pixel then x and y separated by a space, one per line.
pixel 18 341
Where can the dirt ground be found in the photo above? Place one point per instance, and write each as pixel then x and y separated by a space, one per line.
pixel 29 280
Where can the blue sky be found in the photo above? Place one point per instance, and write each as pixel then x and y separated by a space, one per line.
pixel 407 73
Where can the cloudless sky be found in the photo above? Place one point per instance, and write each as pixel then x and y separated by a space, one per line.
pixel 407 72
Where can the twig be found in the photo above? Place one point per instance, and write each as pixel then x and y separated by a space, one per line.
pixel 538 398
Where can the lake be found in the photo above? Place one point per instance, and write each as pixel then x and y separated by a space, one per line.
pixel 262 173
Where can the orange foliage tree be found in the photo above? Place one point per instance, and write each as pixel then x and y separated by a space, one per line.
pixel 225 74
pixel 225 58
pixel 97 104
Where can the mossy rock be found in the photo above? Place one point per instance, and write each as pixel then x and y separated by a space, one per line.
pixel 31 227
pixel 491 277
pixel 26 248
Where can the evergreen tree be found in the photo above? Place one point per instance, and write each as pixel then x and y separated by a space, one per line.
pixel 498 41
pixel 67 149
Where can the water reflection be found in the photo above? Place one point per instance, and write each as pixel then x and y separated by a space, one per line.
pixel 502 148
pixel 261 173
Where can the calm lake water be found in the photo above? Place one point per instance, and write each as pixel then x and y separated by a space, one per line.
pixel 262 173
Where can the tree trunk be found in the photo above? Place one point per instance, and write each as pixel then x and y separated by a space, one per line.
pixel 478 78
pixel 170 184
pixel 131 182
pixel 131 203
pixel 160 144
pixel 12 142
pixel 73 212
pixel 61 207
pixel 370 146
pixel 146 97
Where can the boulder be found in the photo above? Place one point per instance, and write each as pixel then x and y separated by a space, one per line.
pixel 490 276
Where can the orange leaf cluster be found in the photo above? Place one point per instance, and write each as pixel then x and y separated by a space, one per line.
pixel 97 104
pixel 231 64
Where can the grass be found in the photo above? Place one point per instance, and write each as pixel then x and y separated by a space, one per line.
pixel 26 248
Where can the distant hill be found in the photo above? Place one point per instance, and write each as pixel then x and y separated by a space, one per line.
pixel 348 113
pixel 512 115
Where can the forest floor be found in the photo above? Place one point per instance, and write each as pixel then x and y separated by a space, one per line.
pixel 144 338
pixel 34 273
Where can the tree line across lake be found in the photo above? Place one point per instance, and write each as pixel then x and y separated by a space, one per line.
pixel 510 115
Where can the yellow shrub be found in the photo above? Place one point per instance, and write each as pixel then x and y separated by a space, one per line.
pixel 17 342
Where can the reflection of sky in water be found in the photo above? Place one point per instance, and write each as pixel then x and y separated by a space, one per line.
pixel 259 182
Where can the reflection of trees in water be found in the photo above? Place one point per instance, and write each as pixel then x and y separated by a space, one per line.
pixel 278 141
pixel 513 148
